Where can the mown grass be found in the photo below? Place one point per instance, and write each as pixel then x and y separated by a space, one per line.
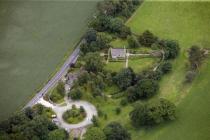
pixel 188 23
pixel 35 36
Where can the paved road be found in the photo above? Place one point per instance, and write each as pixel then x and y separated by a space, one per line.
pixel 72 59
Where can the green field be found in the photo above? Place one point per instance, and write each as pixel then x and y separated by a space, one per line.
pixel 35 37
pixel 187 22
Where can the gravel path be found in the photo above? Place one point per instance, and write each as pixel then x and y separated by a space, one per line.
pixel 59 110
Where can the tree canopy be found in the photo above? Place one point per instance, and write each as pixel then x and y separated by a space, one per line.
pixel 152 113
pixel 94 133
pixel 115 131
pixel 93 62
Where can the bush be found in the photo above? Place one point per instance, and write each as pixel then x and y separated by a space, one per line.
pixel 196 56
pixel 75 94
pixel 123 102
pixel 118 110
pixel 152 113
pixel 95 121
pixel 190 75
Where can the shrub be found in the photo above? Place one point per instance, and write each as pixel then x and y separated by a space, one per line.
pixel 196 55
pixel 95 121
pixel 118 110
pixel 123 102
pixel 190 75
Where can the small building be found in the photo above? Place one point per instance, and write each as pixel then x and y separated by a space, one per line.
pixel 118 53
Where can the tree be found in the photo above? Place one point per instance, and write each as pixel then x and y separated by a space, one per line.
pixel 133 42
pixel 91 35
pixel 115 25
pixel 93 62
pixel 75 94
pixel 150 74
pixel 165 67
pixel 147 39
pixel 132 95
pixel 152 113
pixel 58 134
pixel 171 49
pixel 124 78
pixel 146 88
pixel 83 78
pixel 29 112
pixel 94 133
pixel 101 23
pixel 115 131
pixel 124 32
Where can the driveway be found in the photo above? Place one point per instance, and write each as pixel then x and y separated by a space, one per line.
pixel 59 110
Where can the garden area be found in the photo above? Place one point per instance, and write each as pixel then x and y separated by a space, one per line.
pixel 74 115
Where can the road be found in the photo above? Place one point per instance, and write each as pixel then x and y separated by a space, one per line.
pixel 72 59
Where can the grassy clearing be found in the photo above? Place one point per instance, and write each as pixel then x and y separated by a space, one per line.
pixel 187 22
pixel 35 36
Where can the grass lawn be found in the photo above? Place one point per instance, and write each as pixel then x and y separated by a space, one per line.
pixel 187 22
pixel 35 37
pixel 115 66
pixel 139 64
pixel 56 97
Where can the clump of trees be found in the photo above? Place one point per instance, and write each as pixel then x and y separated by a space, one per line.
pixel 115 131
pixel 75 94
pixel 30 124
pixel 94 133
pixel 112 131
pixel 147 38
pixel 94 82
pixel 196 57
pixel 93 62
pixel 122 8
pixel 144 89
pixel 125 78
pixel 133 42
pixel 112 15
pixel 152 113
pixel 94 41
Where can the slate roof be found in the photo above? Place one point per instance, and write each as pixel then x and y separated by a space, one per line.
pixel 118 53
